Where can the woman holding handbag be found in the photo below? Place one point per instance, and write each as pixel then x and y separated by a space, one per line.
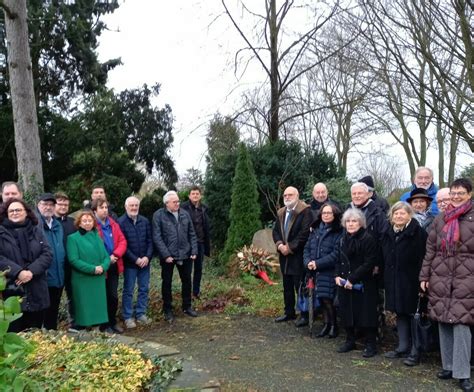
pixel 403 250
pixel 447 275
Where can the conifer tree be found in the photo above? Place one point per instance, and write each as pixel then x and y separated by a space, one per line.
pixel 245 209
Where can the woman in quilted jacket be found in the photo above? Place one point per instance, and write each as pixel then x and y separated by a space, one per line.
pixel 447 275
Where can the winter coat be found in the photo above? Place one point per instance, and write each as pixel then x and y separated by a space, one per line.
pixel 187 206
pixel 55 237
pixel 356 260
pixel 298 232
pixel 432 191
pixel 120 242
pixel 174 238
pixel 403 254
pixel 381 203
pixel 139 239
pixel 85 251
pixel 36 296
pixel 322 247
pixel 425 219
pixel 451 278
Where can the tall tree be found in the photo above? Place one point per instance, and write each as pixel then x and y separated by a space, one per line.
pixel 278 52
pixel 27 141
pixel 244 210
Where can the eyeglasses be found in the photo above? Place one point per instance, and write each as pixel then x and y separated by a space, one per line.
pixel 454 194
pixel 327 213
pixel 174 201
pixel 16 210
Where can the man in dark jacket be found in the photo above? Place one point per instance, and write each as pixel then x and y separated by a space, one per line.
pixel 290 233
pixel 11 190
pixel 320 196
pixel 53 231
pixel 61 212
pixel 137 230
pixel 175 240
pixel 200 218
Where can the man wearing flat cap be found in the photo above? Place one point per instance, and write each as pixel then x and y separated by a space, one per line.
pixel 420 201
pixel 54 233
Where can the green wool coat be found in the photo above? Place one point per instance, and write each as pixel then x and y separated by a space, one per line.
pixel 85 252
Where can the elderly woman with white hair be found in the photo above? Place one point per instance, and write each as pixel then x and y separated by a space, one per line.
pixel 354 269
pixel 403 249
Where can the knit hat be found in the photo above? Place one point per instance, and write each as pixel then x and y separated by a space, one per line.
pixel 369 181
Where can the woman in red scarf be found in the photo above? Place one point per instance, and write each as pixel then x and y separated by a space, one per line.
pixel 448 277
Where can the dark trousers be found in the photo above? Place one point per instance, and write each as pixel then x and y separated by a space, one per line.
pixel 197 269
pixel 111 288
pixel 27 320
pixel 291 284
pixel 369 333
pixel 68 289
pixel 51 314
pixel 167 276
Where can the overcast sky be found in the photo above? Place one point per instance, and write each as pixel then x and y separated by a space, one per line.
pixel 188 47
pixel 177 44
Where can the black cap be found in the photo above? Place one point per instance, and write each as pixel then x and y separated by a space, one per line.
pixel 47 197
pixel 419 193
pixel 369 181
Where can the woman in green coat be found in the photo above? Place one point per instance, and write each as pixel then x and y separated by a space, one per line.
pixel 89 261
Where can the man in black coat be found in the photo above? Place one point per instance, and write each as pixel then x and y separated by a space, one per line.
pixel 290 233
pixel 200 218
pixel 379 201
pixel 320 196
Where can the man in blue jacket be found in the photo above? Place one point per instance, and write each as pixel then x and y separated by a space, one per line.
pixel 175 240
pixel 53 231
pixel 137 230
pixel 424 179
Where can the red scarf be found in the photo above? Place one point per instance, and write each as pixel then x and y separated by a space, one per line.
pixel 450 234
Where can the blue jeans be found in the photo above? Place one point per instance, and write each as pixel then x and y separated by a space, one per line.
pixel 142 277
pixel 197 269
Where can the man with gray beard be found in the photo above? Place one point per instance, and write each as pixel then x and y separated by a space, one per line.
pixel 290 234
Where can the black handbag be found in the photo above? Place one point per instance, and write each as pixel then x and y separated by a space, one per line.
pixel 13 290
pixel 424 330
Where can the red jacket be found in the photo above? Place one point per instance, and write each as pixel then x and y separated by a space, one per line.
pixel 120 242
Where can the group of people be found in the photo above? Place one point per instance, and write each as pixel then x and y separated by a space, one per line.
pixel 372 257
pixel 45 251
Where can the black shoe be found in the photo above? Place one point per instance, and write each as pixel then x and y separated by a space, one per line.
pixel 285 317
pixel 445 374
pixel 190 312
pixel 301 322
pixel 369 351
pixel 465 384
pixel 169 316
pixel 395 354
pixel 412 360
pixel 346 347
pixel 324 331
pixel 117 328
pixel 333 332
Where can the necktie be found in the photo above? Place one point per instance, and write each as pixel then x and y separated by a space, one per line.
pixel 287 223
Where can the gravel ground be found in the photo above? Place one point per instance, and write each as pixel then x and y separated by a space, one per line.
pixel 248 353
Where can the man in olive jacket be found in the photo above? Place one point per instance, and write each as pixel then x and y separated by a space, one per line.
pixel 175 240
pixel 290 234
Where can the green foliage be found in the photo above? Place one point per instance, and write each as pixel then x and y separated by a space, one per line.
pixel 14 349
pixel 152 202
pixel 339 189
pixel 244 210
pixel 467 172
pixel 282 164
pixel 221 161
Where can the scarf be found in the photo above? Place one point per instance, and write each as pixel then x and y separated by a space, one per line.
pixel 450 234
pixel 351 242
pixel 21 232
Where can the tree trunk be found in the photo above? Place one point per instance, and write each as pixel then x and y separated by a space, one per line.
pixel 27 142
pixel 274 83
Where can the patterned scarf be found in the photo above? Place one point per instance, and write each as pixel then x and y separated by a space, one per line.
pixel 450 234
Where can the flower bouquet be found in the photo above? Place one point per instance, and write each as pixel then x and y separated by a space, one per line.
pixel 257 262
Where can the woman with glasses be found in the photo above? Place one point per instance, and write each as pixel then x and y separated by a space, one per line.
pixel 320 255
pixel 447 275
pixel 25 253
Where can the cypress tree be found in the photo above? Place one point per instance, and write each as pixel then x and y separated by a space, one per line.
pixel 245 209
